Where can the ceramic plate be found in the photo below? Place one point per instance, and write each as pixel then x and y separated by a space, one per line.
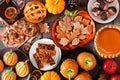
pixel 56 58
pixel 21 57
pixel 111 18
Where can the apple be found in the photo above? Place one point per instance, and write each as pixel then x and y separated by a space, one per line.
pixel 109 66
pixel 115 77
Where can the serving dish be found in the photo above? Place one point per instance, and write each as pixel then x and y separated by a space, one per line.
pixel 21 57
pixel 115 3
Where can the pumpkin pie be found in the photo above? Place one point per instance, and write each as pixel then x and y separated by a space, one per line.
pixel 107 41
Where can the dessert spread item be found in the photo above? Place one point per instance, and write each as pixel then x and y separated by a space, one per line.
pixel 1 65
pixel 11 38
pixel 11 12
pixel 24 27
pixel 33 77
pixel 69 68
pixel 37 74
pixel 44 53
pixel 86 61
pixel 22 69
pixel 44 28
pixel 35 11
pixel 73 31
pixel 55 6
pixel 10 58
pixel 107 41
pixel 83 76
pixel 50 75
pixel 8 75
pixel 103 76
pixel 26 47
pixel 103 10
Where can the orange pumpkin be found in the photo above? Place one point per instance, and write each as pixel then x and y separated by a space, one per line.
pixel 50 75
pixel 10 58
pixel 8 75
pixel 1 65
pixel 22 69
pixel 83 42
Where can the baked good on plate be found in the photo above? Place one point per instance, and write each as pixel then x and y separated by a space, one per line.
pixel 50 75
pixel 86 61
pixel 8 75
pixel 83 76
pixel 44 53
pixel 1 65
pixel 35 11
pixel 22 69
pixel 10 58
pixel 69 68
pixel 73 31
pixel 107 41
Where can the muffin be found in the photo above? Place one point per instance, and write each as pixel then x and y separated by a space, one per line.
pixel 10 58
pixel 22 69
pixel 8 75
pixel 1 65
pixel 86 61
pixel 83 76
pixel 69 67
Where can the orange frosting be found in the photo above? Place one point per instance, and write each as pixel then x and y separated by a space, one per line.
pixel 108 41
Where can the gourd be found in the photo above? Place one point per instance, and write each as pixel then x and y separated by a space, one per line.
pixel 1 65
pixel 55 6
pixel 8 75
pixel 22 69
pixel 10 58
pixel 50 75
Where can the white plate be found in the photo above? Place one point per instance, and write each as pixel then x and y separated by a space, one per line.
pixel 111 18
pixel 56 58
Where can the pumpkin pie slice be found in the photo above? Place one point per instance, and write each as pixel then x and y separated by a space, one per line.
pixel 107 41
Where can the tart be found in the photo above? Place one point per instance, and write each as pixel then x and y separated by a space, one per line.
pixel 35 11
pixel 73 31
pixel 107 41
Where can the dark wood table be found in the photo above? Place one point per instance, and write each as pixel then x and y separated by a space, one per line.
pixel 90 46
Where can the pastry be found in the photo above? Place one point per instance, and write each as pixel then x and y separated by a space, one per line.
pixel 83 76
pixel 35 11
pixel 50 75
pixel 37 74
pixel 112 10
pixel 69 68
pixel 8 75
pixel 1 65
pixel 86 61
pixel 107 41
pixel 22 69
pixel 77 30
pixel 44 53
pixel 10 58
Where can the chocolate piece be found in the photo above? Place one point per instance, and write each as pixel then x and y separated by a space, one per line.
pixel 112 10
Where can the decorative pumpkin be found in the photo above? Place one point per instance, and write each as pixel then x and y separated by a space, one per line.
pixel 50 75
pixel 55 6
pixel 8 75
pixel 10 58
pixel 1 65
pixel 22 69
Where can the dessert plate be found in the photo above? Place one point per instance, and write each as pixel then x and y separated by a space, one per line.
pixel 21 57
pixel 56 58
pixel 115 3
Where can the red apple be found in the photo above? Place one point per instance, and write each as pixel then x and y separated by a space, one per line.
pixel 110 66
pixel 115 77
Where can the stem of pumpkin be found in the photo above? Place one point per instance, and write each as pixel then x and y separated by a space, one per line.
pixel 56 2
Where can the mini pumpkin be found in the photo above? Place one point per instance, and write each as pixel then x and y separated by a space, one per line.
pixel 10 58
pixel 55 6
pixel 8 75
pixel 1 65
pixel 22 69
pixel 50 75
